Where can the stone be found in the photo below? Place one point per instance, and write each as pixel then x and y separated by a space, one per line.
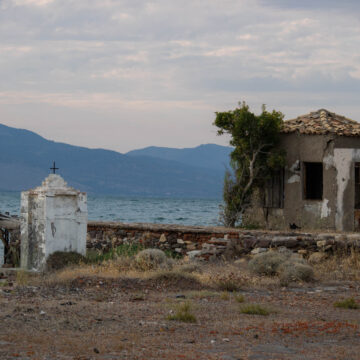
pixel 180 241
pixel 258 251
pixel 53 218
pixel 193 254
pixel 317 257
pixel 321 243
pixel 163 238
pixel 178 250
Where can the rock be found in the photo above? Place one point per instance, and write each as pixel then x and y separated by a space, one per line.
pixel 180 241
pixel 317 257
pixel 178 250
pixel 258 251
pixel 193 254
pixel 162 238
pixel 302 252
pixel 321 243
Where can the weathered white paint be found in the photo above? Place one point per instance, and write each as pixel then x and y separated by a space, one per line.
pixel 294 179
pixel 2 254
pixel 295 166
pixel 313 207
pixel 329 161
pixel 343 159
pixel 325 209
pixel 53 218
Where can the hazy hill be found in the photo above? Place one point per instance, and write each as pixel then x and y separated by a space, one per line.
pixel 210 156
pixel 25 159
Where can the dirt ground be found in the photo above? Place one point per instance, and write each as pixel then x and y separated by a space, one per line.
pixel 93 317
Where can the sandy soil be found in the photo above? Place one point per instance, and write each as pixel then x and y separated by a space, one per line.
pixel 98 318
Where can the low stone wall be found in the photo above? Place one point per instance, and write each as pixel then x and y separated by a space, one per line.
pixel 212 242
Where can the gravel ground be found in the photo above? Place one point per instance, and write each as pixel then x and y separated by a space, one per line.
pixel 127 319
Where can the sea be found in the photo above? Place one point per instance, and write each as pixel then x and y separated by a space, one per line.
pixel 203 212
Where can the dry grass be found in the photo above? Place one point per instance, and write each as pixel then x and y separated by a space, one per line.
pixel 340 266
pixel 183 313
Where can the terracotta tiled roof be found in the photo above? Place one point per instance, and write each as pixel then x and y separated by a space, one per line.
pixel 322 122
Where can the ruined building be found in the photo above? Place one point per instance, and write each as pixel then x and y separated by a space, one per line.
pixel 319 188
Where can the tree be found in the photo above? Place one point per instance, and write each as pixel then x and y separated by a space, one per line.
pixel 255 157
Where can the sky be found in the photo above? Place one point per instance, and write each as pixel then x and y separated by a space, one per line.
pixel 126 74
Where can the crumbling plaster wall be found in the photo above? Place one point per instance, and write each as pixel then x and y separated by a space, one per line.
pixel 53 218
pixel 336 210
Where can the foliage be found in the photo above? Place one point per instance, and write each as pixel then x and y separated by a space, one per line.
pixel 124 250
pixel 254 309
pixel 347 304
pixel 61 259
pixel 183 313
pixel 255 156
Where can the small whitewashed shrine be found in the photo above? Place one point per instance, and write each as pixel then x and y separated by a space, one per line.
pixel 53 218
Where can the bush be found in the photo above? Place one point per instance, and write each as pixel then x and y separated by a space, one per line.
pixel 267 263
pixel 254 309
pixel 347 304
pixel 61 259
pixel 152 259
pixel 295 271
pixel 183 313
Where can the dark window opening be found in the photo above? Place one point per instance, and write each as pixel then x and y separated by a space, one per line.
pixel 357 185
pixel 274 191
pixel 313 181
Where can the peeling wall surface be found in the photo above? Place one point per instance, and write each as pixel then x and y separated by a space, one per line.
pixel 53 218
pixel 335 211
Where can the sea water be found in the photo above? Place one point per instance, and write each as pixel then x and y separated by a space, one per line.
pixel 203 212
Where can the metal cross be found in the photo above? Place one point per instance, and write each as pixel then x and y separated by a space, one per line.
pixel 54 168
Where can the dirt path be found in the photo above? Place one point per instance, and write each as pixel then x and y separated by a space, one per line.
pixel 118 320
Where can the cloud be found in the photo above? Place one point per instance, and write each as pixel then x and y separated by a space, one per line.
pixel 128 58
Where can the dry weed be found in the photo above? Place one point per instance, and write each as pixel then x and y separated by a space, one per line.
pixel 152 259
pixel 339 266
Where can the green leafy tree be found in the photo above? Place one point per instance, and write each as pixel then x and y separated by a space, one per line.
pixel 255 139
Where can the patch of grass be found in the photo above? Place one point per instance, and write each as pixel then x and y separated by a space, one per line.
pixel 224 295
pixel 347 304
pixel 183 313
pixel 228 285
pixel 22 278
pixel 202 294
pixel 239 298
pixel 124 250
pixel 254 309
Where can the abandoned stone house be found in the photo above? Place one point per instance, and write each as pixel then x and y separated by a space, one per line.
pixel 319 188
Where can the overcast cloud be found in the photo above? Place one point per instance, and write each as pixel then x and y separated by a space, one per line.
pixel 127 74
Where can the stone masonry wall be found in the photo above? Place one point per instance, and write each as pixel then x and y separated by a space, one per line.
pixel 213 242
pixel 204 243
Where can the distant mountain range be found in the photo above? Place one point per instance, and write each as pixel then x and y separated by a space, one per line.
pixel 25 159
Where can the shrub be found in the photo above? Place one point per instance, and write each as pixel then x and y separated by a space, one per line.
pixel 152 259
pixel 183 313
pixel 347 304
pixel 254 309
pixel 267 263
pixel 239 298
pixel 60 259
pixel 230 281
pixel 295 271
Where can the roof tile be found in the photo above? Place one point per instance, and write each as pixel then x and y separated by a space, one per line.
pixel 322 122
